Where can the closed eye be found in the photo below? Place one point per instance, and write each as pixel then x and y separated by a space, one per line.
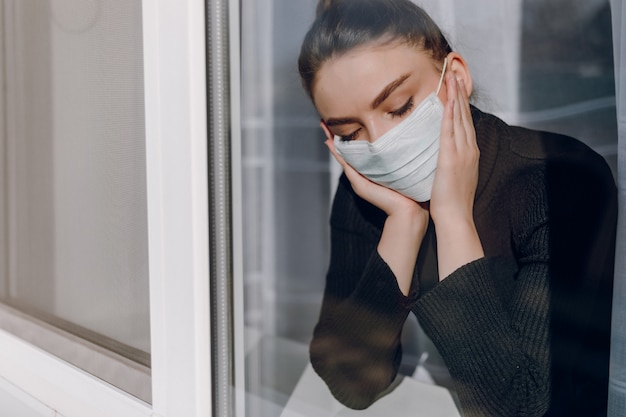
pixel 351 136
pixel 404 109
pixel 407 107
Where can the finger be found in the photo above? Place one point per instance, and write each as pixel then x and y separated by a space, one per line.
pixel 451 86
pixel 330 144
pixel 447 124
pixel 326 129
pixel 446 140
pixel 356 179
pixel 360 184
pixel 460 133
pixel 458 126
pixel 466 113
pixel 464 129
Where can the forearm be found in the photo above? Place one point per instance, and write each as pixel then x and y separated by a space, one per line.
pixel 356 343
pixel 498 351
pixel 357 358
pixel 400 242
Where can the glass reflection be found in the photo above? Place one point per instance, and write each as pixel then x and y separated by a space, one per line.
pixel 550 69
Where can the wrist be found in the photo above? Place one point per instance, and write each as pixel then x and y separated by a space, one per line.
pixel 451 226
pixel 458 244
pixel 400 242
pixel 411 221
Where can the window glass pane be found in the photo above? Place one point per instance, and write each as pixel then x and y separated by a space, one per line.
pixel 541 64
pixel 567 81
pixel 286 197
pixel 74 171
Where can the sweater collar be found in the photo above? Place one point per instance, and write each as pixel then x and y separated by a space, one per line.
pixel 488 142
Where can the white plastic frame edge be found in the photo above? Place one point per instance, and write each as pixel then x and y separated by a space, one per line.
pixel 174 40
pixel 176 149
pixel 61 387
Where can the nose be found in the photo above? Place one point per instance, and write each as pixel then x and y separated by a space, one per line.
pixel 377 127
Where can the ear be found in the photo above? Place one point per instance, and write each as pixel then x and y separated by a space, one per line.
pixel 457 64
pixel 326 129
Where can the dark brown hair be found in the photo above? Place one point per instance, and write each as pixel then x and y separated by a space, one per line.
pixel 342 25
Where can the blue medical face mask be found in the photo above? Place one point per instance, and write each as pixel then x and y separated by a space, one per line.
pixel 404 158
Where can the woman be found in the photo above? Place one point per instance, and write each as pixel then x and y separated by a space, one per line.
pixel 498 238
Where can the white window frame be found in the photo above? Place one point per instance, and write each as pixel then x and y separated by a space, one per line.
pixel 176 154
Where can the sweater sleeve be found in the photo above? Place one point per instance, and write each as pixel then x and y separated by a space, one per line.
pixel 497 346
pixel 356 342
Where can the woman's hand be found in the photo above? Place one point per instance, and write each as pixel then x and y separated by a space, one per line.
pixel 384 198
pixel 404 227
pixel 456 178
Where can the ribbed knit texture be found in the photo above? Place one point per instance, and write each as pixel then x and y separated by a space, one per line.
pixel 492 320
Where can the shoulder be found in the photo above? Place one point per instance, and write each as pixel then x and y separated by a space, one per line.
pixel 557 152
pixel 553 175
pixel 526 152
pixel 572 171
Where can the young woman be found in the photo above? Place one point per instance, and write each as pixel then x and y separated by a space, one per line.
pixel 498 238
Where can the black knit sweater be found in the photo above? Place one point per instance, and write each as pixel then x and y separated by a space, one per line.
pixel 524 331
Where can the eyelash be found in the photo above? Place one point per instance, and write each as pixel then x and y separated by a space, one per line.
pixel 351 136
pixel 396 113
pixel 404 109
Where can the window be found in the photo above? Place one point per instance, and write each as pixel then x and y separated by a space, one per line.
pixel 549 68
pixel 169 41
pixel 286 198
pixel 74 184
pixel 282 175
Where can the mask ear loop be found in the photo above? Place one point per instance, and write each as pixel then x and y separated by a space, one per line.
pixel 443 71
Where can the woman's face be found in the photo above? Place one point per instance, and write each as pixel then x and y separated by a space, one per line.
pixel 365 92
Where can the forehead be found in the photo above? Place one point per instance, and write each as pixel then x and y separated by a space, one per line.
pixel 355 78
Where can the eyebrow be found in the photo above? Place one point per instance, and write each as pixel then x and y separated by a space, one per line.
pixel 390 88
